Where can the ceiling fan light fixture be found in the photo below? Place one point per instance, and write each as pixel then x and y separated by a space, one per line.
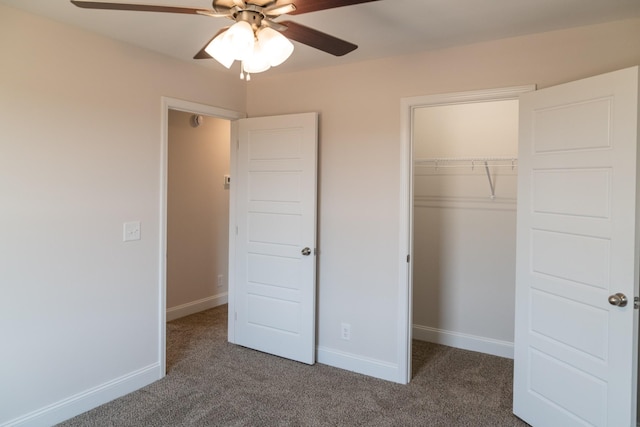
pixel 239 39
pixel 221 51
pixel 258 61
pixel 274 46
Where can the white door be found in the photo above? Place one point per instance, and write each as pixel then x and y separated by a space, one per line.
pixel 273 236
pixel 575 352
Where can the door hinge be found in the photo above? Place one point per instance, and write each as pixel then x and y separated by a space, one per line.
pixel 636 302
pixel 236 230
pixel 408 258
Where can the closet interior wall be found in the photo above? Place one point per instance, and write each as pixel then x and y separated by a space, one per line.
pixel 465 224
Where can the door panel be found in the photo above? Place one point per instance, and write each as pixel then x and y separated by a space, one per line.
pixel 562 192
pixel 590 254
pixel 584 124
pixel 275 212
pixel 576 354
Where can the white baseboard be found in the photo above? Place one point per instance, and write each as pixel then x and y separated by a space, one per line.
pixel 362 365
pixel 88 399
pixel 464 341
pixel 196 306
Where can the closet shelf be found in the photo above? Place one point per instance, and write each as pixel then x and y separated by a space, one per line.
pixel 472 162
pixel 465 162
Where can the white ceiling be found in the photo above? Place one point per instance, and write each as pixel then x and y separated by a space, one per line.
pixel 380 29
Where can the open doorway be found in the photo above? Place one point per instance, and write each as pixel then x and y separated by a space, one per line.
pixel 197 220
pixel 197 213
pixel 461 181
pixel 193 233
pixel 464 225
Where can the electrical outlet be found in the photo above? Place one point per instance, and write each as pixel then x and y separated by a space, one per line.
pixel 131 231
pixel 220 279
pixel 345 331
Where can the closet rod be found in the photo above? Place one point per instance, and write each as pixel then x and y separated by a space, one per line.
pixel 439 166
pixel 479 161
pixel 465 159
pixel 472 162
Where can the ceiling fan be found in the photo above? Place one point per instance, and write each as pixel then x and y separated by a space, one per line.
pixel 255 39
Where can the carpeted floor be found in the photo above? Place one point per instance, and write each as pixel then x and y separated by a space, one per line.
pixel 213 383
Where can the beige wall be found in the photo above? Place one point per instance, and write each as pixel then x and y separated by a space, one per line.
pixel 359 106
pixel 197 211
pixel 80 154
pixel 476 129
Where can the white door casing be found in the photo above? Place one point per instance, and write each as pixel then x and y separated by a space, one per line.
pixel 405 280
pixel 577 244
pixel 272 282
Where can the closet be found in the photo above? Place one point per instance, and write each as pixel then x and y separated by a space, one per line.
pixel 465 166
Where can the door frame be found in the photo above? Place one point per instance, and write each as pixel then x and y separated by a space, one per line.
pixel 189 107
pixel 405 280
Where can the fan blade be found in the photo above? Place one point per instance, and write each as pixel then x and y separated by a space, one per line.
pixel 306 6
pixel 277 10
pixel 146 8
pixel 273 24
pixel 224 7
pixel 213 14
pixel 202 54
pixel 317 39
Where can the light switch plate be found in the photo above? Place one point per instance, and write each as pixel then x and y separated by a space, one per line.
pixel 131 231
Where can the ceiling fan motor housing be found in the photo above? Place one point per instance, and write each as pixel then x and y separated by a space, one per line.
pixel 252 17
